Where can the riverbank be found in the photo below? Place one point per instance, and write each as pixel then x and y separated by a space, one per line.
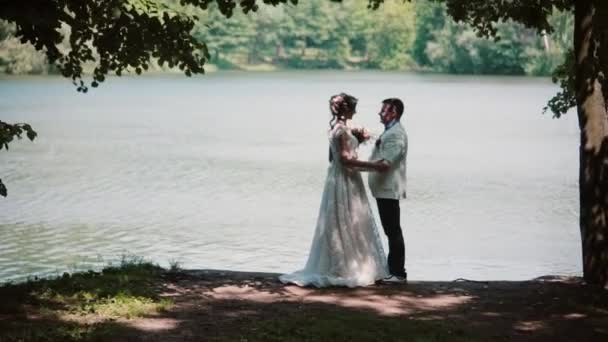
pixel 142 302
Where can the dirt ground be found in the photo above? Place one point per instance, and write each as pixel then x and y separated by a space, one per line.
pixel 217 304
pixel 235 306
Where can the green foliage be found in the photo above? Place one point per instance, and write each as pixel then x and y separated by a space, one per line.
pixel 485 16
pixel 122 291
pixel 8 132
pixel 313 34
pixel 112 35
pixel 530 37
pixel 566 98
pixel 392 36
pixel 457 49
pixel 430 18
pixel 558 43
pixel 443 45
pixel 18 58
pixel 82 306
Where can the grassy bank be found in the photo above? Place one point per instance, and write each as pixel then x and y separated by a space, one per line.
pixel 79 306
pixel 139 301
pixel 103 306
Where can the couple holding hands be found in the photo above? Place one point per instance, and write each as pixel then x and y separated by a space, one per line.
pixel 346 249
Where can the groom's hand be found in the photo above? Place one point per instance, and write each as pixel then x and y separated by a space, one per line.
pixel 382 166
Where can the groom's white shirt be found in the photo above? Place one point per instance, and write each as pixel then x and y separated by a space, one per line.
pixel 392 149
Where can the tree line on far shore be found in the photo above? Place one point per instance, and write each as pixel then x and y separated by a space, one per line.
pixel 319 34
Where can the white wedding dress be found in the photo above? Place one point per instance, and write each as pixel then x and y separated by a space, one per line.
pixel 346 249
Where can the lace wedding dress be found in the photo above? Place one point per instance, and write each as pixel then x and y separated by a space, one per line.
pixel 346 249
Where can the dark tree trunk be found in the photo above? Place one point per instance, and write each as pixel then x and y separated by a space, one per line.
pixel 590 39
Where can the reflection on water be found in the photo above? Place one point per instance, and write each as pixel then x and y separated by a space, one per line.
pixel 226 171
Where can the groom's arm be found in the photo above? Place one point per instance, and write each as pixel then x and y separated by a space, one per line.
pixel 393 148
pixel 348 159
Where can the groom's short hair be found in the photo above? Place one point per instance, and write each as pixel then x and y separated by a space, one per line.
pixel 396 104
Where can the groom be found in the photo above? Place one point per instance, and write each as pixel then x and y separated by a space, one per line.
pixel 389 187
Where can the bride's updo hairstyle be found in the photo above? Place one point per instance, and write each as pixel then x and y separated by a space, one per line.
pixel 340 105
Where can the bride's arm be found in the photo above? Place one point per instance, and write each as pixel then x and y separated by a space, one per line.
pixel 348 160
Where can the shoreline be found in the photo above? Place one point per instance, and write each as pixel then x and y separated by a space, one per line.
pixel 236 275
pixel 143 302
pixel 225 274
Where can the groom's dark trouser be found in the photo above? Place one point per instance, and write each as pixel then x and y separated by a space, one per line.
pixel 390 217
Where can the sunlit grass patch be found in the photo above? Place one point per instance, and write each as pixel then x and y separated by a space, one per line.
pixel 127 306
pixel 128 289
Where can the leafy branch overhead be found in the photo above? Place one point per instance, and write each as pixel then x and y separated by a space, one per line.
pixel 115 35
pixel 8 132
pixel 125 35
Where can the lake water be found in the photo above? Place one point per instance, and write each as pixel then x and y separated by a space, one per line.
pixel 225 171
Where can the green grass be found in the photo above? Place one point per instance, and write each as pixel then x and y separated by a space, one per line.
pixel 90 306
pixel 65 305
pixel 123 291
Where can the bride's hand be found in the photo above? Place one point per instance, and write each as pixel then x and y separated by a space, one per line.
pixel 362 134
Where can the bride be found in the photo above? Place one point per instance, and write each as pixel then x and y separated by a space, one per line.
pixel 346 249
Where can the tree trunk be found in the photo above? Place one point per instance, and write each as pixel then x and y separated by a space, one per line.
pixel 589 35
pixel 280 52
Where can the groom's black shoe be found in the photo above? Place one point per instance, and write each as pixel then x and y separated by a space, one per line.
pixel 396 279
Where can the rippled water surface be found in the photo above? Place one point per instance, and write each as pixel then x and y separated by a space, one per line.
pixel 226 171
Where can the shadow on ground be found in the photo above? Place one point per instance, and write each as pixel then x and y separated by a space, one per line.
pixel 213 305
